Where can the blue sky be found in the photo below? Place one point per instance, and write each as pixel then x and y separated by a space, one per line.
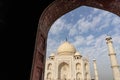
pixel 86 28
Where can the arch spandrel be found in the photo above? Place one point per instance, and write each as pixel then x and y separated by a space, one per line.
pixel 53 12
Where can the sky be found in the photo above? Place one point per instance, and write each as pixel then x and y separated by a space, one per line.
pixel 86 28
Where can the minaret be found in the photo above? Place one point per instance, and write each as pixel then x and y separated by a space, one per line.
pixel 95 69
pixel 113 59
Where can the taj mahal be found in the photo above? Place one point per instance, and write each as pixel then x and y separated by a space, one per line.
pixel 68 64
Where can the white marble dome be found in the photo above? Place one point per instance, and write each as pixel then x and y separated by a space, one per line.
pixel 66 48
pixel 52 55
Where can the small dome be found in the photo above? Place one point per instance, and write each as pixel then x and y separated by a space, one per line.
pixel 94 59
pixel 66 48
pixel 108 37
pixel 52 54
pixel 77 53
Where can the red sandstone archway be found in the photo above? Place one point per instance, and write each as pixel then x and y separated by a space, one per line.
pixel 53 12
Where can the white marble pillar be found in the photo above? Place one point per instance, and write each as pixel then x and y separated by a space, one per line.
pixel 95 69
pixel 113 59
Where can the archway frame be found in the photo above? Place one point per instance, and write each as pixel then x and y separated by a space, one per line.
pixel 60 66
pixel 48 17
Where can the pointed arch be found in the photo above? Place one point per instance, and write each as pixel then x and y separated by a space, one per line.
pixel 63 71
pixel 49 76
pixel 78 76
pixel 86 76
pixel 78 66
pixel 49 66
pixel 86 66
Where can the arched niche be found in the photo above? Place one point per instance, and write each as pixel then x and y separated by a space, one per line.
pixel 53 12
pixel 78 76
pixel 49 76
pixel 86 66
pixel 49 66
pixel 86 76
pixel 63 71
pixel 78 66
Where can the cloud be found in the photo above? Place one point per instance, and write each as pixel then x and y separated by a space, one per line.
pixel 96 22
pixel 90 39
pixel 83 24
pixel 79 40
pixel 93 22
pixel 50 44
pixel 116 21
pixel 58 26
pixel 73 32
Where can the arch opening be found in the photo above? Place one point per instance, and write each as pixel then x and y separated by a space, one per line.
pixel 49 66
pixel 49 76
pixel 78 76
pixel 63 71
pixel 78 66
pixel 46 21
